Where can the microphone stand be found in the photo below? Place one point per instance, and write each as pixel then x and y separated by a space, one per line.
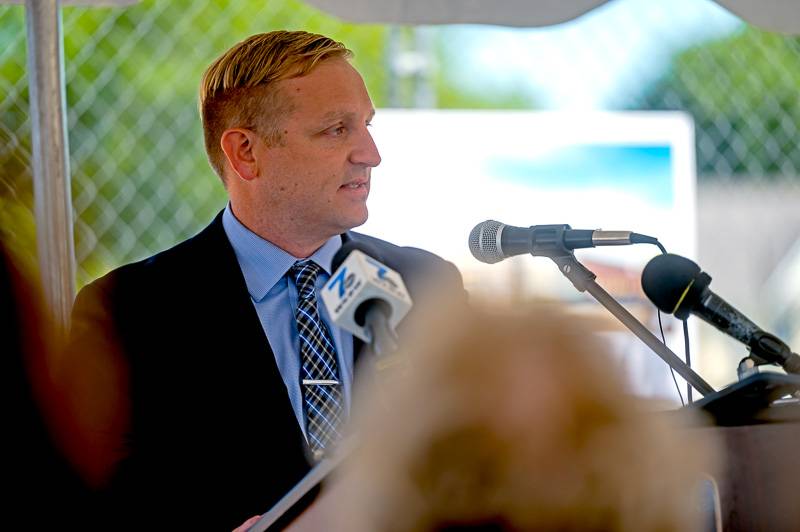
pixel 584 280
pixel 303 494
pixel 383 339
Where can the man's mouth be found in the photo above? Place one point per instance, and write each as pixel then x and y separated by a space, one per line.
pixel 355 184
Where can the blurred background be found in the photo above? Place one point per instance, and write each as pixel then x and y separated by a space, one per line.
pixel 141 182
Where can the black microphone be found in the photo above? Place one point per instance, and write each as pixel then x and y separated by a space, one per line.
pixel 676 286
pixel 492 241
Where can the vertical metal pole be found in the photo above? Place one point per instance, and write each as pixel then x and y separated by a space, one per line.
pixel 51 181
pixel 392 54
pixel 424 93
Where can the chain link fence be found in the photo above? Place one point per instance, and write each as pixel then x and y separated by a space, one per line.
pixel 141 181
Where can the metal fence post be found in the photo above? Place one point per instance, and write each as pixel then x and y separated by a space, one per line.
pixel 51 180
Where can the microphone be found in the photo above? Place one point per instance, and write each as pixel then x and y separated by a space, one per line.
pixel 492 241
pixel 366 297
pixel 676 286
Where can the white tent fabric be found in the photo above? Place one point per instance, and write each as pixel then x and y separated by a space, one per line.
pixel 774 15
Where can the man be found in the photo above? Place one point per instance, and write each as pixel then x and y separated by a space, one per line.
pixel 230 379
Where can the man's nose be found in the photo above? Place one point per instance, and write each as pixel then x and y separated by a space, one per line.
pixel 366 152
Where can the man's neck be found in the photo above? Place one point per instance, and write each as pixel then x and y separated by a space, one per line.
pixel 294 247
pixel 298 245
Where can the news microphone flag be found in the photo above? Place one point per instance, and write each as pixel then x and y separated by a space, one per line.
pixel 358 282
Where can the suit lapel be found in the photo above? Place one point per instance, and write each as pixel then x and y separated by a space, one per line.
pixel 250 349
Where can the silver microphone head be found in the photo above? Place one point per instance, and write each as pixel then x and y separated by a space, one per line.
pixel 484 242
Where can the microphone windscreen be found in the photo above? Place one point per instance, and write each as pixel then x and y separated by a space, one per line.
pixel 484 242
pixel 666 280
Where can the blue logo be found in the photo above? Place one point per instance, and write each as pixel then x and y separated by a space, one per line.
pixel 340 280
pixel 382 271
pixel 381 268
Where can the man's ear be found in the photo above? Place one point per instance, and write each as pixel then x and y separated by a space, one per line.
pixel 238 145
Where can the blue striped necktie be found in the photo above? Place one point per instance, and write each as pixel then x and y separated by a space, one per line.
pixel 321 387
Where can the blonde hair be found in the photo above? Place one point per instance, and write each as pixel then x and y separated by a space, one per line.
pixel 514 421
pixel 238 89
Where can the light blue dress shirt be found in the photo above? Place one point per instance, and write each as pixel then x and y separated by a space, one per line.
pixel 274 296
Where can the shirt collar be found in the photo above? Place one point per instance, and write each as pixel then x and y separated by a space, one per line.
pixel 263 263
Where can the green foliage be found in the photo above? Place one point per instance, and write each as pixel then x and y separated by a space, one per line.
pixel 458 87
pixel 450 96
pixel 17 230
pixel 744 94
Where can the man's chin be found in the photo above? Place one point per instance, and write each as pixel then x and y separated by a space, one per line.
pixel 357 221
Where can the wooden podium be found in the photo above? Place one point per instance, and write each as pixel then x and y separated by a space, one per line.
pixel 759 431
pixel 758 488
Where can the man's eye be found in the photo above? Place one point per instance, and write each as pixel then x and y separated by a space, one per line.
pixel 337 131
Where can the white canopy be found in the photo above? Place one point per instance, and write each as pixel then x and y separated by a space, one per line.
pixel 774 15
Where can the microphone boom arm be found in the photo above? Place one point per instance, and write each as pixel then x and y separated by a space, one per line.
pixel 584 281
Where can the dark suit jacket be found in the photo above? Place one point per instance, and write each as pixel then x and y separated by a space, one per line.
pixel 211 437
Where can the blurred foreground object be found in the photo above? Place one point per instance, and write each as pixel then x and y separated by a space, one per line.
pixel 43 490
pixel 516 420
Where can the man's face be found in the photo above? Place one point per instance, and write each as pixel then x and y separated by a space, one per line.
pixel 317 179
